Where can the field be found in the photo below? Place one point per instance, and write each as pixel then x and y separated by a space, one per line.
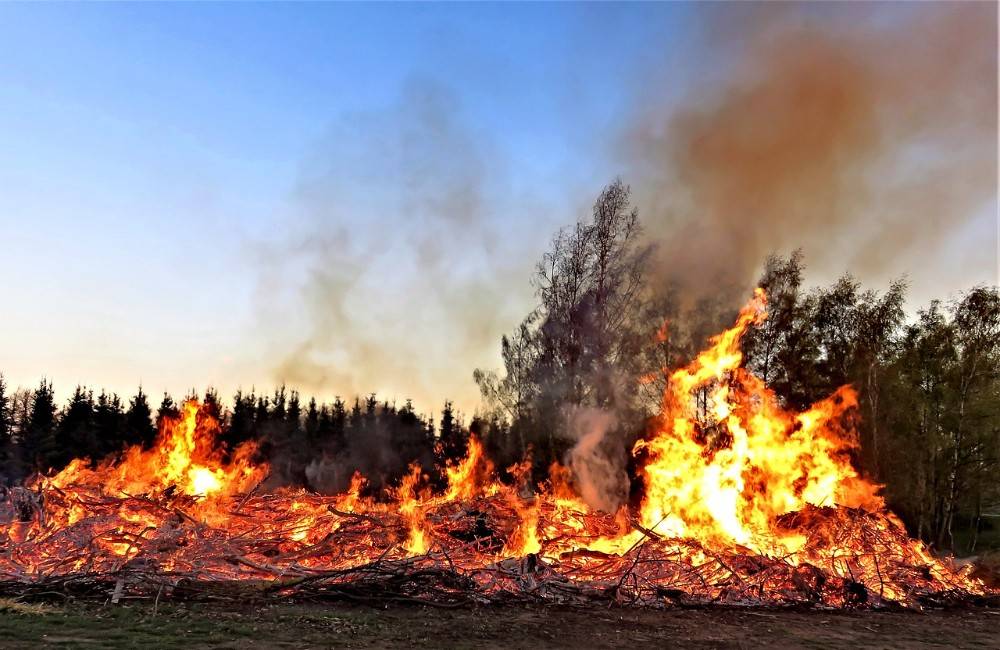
pixel 197 625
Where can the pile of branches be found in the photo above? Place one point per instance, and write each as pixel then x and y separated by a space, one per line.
pixel 79 543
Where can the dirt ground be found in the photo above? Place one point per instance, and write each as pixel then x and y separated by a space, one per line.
pixel 88 625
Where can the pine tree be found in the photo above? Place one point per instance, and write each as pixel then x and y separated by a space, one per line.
pixel 371 414
pixel 451 436
pixel 278 404
pixel 39 444
pixel 7 449
pixel 294 413
pixel 312 422
pixel 261 414
pixel 75 434
pixel 109 425
pixel 168 411
pixel 338 423
pixel 212 407
pixel 354 424
pixel 139 421
pixel 241 422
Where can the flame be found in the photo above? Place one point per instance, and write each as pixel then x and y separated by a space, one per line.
pixel 185 458
pixel 723 467
pixel 410 509
pixel 466 477
pixel 731 480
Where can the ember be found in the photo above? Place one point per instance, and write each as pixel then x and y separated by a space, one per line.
pixel 744 503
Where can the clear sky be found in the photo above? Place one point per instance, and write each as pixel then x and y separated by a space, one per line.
pixel 240 194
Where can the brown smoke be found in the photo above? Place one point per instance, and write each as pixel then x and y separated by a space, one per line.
pixel 864 134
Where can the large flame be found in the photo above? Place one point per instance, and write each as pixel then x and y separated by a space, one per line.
pixel 186 458
pixel 727 460
pixel 728 475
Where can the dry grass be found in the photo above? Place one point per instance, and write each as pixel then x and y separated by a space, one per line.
pixel 10 606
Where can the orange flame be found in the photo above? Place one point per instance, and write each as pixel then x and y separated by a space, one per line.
pixel 726 469
pixel 723 472
pixel 185 457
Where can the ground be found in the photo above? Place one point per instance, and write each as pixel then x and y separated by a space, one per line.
pixel 199 625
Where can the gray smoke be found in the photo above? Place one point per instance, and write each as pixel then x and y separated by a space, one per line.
pixel 597 460
pixel 397 265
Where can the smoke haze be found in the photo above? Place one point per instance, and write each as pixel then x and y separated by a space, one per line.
pixel 864 134
pixel 396 273
pixel 866 139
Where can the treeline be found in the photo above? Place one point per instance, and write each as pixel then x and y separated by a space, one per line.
pixel 593 357
pixel 610 320
pixel 314 445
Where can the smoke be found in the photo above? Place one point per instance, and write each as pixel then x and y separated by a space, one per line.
pixel 864 134
pixel 395 270
pixel 597 460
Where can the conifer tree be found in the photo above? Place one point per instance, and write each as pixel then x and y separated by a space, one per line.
pixel 139 421
pixel 168 410
pixel 241 421
pixel 109 425
pixel 312 422
pixel 7 447
pixel 40 448
pixel 75 433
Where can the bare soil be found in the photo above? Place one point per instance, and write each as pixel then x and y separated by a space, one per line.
pixel 198 625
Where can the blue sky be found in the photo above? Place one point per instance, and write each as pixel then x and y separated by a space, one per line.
pixel 162 167
pixel 149 148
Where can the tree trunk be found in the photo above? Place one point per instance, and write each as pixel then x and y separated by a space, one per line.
pixel 873 395
pixel 953 480
pixel 974 537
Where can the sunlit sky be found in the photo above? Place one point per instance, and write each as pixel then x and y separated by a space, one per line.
pixel 174 179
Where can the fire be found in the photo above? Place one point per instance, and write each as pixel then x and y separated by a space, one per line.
pixel 203 481
pixel 409 508
pixel 186 458
pixel 743 501
pixel 465 477
pixel 726 474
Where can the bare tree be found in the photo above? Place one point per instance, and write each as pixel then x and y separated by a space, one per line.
pixel 582 344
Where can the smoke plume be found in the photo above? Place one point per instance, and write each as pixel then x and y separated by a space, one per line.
pixel 864 134
pixel 394 265
pixel 597 460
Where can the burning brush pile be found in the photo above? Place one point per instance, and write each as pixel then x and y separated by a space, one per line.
pixel 743 502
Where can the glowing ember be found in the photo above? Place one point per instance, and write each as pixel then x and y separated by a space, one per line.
pixel 743 501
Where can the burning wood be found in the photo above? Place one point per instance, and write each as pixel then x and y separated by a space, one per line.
pixel 744 503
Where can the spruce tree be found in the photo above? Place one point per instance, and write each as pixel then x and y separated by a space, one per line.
pixel 139 421
pixel 39 445
pixel 109 425
pixel 75 434
pixel 241 422
pixel 7 449
pixel 168 410
pixel 312 422
pixel 211 406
